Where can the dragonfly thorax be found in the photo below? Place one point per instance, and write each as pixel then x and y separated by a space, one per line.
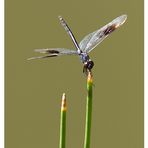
pixel 84 57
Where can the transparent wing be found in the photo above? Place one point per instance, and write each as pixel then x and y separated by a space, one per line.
pixel 90 41
pixel 52 52
pixel 68 30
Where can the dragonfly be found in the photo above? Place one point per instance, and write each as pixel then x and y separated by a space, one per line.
pixel 86 45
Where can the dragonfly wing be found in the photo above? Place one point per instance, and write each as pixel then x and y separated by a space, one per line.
pixel 68 30
pixel 40 57
pixel 93 39
pixel 52 52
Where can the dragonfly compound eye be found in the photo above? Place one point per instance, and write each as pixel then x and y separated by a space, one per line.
pixel 89 65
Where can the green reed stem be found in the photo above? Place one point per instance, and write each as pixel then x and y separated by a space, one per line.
pixel 62 143
pixel 88 112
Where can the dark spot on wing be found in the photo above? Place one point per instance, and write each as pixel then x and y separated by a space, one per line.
pixel 109 30
pixel 53 51
pixel 49 56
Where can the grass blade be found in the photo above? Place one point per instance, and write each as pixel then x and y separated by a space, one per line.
pixel 62 143
pixel 88 111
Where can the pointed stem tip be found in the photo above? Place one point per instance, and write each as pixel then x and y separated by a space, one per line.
pixel 63 104
pixel 89 77
pixel 62 143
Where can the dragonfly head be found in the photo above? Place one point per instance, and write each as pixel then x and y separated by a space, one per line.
pixel 88 66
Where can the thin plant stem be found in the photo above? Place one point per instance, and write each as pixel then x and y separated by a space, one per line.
pixel 62 143
pixel 88 111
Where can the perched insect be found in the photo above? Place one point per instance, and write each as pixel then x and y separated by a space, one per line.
pixel 87 44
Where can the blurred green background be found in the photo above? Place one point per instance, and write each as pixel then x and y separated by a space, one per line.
pixel 33 89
